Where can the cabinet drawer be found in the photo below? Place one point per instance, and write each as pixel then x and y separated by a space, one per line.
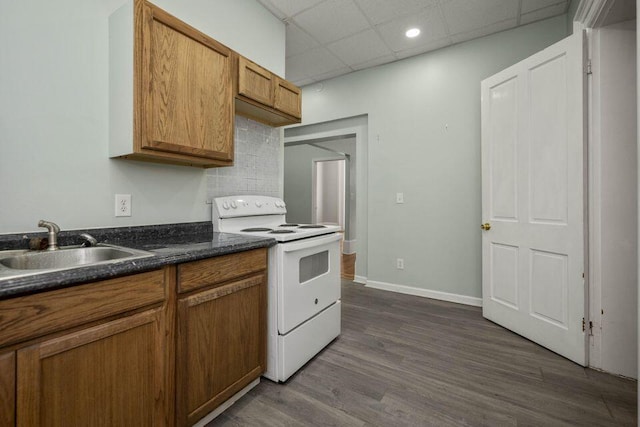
pixel 36 315
pixel 198 274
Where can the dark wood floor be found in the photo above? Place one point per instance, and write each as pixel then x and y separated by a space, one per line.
pixel 410 361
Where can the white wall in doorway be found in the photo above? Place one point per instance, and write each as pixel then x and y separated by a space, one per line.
pixel 328 192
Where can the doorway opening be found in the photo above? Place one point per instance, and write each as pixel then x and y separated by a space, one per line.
pixel 306 147
pixel 328 192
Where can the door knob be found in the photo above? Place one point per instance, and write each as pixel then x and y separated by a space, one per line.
pixel 486 226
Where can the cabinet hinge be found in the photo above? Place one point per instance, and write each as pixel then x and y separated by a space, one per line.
pixel 588 67
pixel 583 324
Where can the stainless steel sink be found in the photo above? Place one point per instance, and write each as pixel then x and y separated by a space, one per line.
pixel 22 263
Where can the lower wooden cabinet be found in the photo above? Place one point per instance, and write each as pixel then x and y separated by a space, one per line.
pixel 221 345
pixel 107 375
pixel 159 348
pixel 7 389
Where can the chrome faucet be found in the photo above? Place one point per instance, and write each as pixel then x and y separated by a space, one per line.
pixel 53 233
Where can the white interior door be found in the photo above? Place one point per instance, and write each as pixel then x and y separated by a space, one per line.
pixel 532 198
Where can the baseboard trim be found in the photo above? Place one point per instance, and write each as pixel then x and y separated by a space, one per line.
pixel 360 279
pixel 220 409
pixel 427 293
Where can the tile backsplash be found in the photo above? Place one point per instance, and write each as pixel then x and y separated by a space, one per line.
pixel 256 168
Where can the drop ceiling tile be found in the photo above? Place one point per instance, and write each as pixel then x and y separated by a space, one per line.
pixel 331 74
pixel 531 5
pixel 298 41
pixel 303 82
pixel 545 13
pixel 481 32
pixel 464 16
pixel 315 62
pixel 332 20
pixel 428 20
pixel 375 62
pixel 379 11
pixel 295 72
pixel 359 48
pixel 271 8
pixel 427 47
pixel 292 7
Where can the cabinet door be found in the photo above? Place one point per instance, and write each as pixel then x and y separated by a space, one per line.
pixel 7 389
pixel 221 345
pixel 187 89
pixel 288 98
pixel 255 82
pixel 107 375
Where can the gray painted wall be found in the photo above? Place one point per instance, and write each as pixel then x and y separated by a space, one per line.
pixel 54 114
pixel 424 141
pixel 298 176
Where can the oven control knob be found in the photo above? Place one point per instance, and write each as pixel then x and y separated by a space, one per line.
pixel 234 205
pixel 259 204
pixel 225 205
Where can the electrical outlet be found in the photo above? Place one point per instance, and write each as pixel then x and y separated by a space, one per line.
pixel 399 197
pixel 123 204
pixel 400 264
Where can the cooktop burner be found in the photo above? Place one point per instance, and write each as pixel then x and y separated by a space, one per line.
pixel 281 231
pixel 288 225
pixel 257 229
pixel 313 226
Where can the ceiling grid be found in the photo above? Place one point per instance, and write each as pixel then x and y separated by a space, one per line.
pixel 328 38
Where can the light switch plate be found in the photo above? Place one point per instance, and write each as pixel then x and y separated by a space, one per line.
pixel 399 197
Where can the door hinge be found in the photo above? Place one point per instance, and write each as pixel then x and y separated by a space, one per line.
pixel 584 325
pixel 588 67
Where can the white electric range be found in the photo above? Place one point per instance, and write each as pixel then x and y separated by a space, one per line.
pixel 304 278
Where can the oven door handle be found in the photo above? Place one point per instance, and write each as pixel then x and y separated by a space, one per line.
pixel 311 242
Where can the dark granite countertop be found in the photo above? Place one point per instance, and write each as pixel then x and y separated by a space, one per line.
pixel 169 244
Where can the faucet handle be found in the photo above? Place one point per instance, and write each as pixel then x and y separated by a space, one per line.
pixel 89 240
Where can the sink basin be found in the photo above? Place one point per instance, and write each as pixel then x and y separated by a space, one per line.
pixel 65 258
pixel 21 263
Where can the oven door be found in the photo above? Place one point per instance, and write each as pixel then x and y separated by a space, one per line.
pixel 308 279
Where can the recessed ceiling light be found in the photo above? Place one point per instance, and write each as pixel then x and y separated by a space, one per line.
pixel 413 32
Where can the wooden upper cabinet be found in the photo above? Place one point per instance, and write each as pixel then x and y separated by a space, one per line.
pixel 255 82
pixel 180 82
pixel 265 97
pixel 288 98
